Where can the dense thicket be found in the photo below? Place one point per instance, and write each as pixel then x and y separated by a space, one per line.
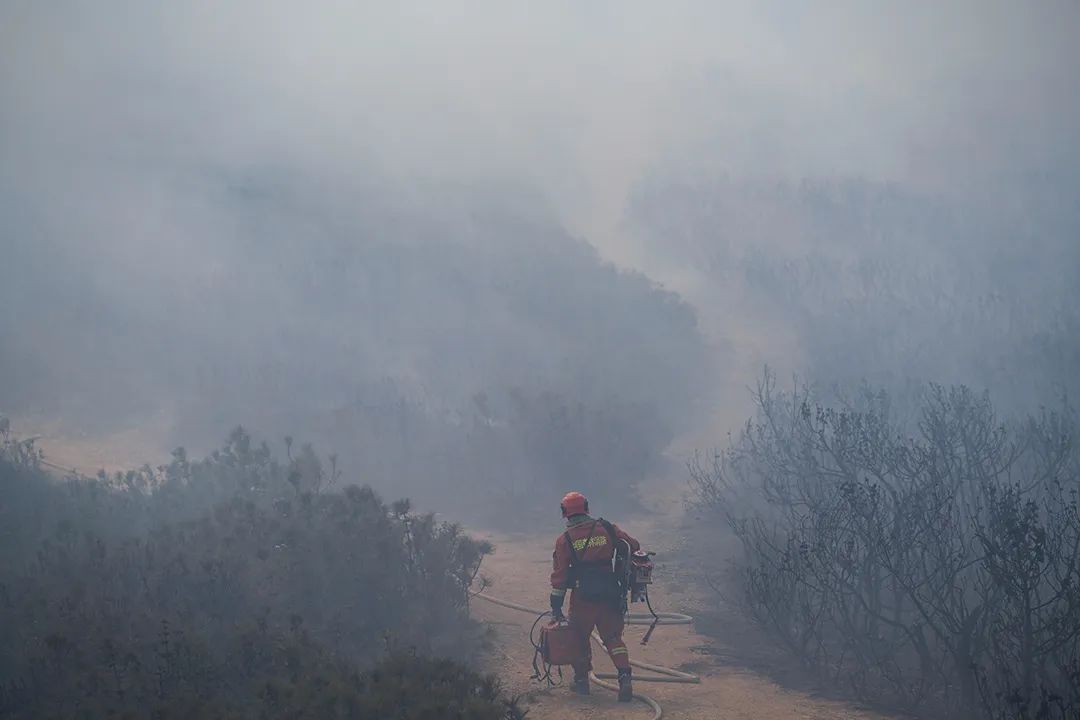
pixel 235 586
pixel 934 565
pixel 372 317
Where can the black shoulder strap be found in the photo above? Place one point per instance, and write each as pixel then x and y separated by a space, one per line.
pixel 610 531
pixel 570 544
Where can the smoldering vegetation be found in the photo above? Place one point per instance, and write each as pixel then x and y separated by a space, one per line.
pixel 478 258
pixel 906 509
pixel 448 347
pixel 466 353
pixel 884 283
pixel 932 566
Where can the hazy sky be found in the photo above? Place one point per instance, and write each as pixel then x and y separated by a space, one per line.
pixel 108 106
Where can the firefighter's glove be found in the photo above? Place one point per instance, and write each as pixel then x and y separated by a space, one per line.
pixel 556 606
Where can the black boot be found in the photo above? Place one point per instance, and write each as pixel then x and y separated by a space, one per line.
pixel 580 684
pixel 626 688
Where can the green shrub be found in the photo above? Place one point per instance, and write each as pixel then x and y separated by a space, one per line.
pixel 235 586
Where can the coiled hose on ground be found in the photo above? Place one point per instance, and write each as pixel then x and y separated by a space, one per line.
pixel 663 674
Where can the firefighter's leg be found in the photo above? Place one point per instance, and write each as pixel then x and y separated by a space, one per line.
pixel 609 623
pixel 583 616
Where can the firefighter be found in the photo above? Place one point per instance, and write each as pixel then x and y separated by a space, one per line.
pixel 585 560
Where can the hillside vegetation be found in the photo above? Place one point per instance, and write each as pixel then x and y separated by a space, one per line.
pixel 234 586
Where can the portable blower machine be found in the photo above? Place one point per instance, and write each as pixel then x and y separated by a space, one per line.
pixel 640 576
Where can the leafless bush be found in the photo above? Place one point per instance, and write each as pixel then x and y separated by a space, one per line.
pixel 939 569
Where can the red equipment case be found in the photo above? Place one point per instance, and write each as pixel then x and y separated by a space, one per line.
pixel 560 644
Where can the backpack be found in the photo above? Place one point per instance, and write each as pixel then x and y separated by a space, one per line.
pixel 596 580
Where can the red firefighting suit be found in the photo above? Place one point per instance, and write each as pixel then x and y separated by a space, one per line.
pixel 585 614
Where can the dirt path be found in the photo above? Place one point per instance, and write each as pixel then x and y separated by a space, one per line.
pixel 519 572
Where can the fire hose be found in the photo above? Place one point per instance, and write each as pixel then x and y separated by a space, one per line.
pixel 663 674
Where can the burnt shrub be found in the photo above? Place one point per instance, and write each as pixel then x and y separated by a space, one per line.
pixel 934 566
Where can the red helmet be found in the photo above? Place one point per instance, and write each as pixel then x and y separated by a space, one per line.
pixel 574 503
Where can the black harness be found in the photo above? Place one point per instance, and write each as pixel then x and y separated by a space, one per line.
pixel 596 580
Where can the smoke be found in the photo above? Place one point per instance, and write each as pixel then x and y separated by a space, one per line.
pixel 578 100
pixel 131 132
